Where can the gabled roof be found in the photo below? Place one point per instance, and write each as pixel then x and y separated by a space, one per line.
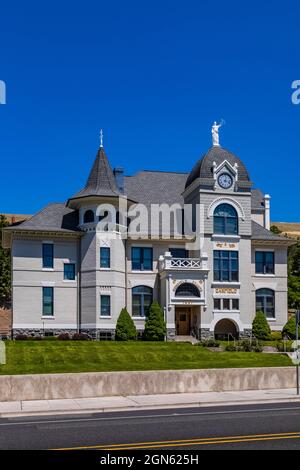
pixel 55 217
pixel 101 180
pixel 261 233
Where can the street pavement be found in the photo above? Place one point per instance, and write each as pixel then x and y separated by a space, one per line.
pixel 256 426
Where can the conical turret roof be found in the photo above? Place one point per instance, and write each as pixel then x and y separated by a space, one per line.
pixel 101 180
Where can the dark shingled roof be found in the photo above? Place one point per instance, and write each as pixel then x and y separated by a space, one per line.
pixel 261 233
pixel 55 217
pixel 257 200
pixel 155 187
pixel 101 181
pixel 203 168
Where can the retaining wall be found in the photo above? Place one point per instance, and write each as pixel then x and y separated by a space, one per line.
pixel 98 384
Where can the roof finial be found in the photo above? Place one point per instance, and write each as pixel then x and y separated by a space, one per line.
pixel 215 133
pixel 101 138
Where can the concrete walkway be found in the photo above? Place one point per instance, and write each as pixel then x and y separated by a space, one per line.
pixel 144 402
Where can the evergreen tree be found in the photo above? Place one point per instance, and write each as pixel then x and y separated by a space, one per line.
pixel 5 266
pixel 289 328
pixel 155 326
pixel 294 276
pixel 275 229
pixel 260 327
pixel 125 328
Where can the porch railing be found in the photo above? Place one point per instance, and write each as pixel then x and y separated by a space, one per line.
pixel 181 263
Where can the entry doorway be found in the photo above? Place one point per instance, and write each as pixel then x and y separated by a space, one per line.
pixel 182 322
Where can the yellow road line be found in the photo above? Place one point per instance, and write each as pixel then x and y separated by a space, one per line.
pixel 232 441
pixel 184 442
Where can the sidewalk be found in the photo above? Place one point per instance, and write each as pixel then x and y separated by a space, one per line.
pixel 144 402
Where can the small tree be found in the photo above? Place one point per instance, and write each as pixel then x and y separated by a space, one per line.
pixel 289 328
pixel 260 327
pixel 125 328
pixel 155 326
pixel 4 267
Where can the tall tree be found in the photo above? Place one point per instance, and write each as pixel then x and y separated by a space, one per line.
pixel 5 291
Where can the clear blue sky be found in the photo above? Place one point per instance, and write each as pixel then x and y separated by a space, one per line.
pixel 154 75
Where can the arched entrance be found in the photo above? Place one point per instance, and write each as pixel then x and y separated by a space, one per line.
pixel 226 329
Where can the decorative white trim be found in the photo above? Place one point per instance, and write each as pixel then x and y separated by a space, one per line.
pixel 41 326
pixel 264 285
pixel 226 200
pixel 234 317
pixel 47 284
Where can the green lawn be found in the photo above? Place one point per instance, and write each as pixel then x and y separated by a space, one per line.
pixel 32 357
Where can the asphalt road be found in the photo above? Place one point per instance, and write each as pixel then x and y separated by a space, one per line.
pixel 269 426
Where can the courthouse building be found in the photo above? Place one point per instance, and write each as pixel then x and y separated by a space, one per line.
pixel 69 275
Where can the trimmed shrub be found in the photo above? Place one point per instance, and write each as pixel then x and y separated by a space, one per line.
pixel 21 337
pixel 125 328
pixel 289 328
pixel 155 326
pixel 63 337
pixel 37 338
pixel 276 335
pixel 81 337
pixel 260 327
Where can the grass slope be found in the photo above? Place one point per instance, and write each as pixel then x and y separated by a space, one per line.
pixel 33 357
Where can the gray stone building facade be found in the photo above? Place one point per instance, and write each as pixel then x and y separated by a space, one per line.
pixel 70 274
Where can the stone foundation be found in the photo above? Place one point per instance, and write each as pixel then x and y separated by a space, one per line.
pixel 246 334
pixel 205 333
pixel 41 332
pixel 171 333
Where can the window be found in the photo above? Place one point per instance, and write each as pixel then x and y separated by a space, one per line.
pixel 104 257
pixel 225 220
pixel 88 216
pixel 226 304
pixel 105 305
pixel 265 302
pixel 264 262
pixel 47 255
pixel 226 266
pixel 69 272
pixel 142 297
pixel 141 258
pixel 179 252
pixel 104 216
pixel 48 297
pixel 187 290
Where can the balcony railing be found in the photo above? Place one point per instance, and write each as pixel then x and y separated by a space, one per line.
pixel 180 263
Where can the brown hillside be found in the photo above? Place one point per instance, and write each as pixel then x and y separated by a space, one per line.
pixel 292 230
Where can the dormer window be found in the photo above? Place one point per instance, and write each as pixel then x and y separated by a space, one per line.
pixel 88 216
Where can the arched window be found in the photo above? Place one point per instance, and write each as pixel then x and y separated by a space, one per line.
pixel 88 216
pixel 142 297
pixel 265 302
pixel 225 220
pixel 187 290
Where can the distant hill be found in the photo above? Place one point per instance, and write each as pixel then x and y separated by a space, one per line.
pixel 290 229
pixel 15 218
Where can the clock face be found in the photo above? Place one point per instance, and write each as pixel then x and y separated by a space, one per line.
pixel 225 181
